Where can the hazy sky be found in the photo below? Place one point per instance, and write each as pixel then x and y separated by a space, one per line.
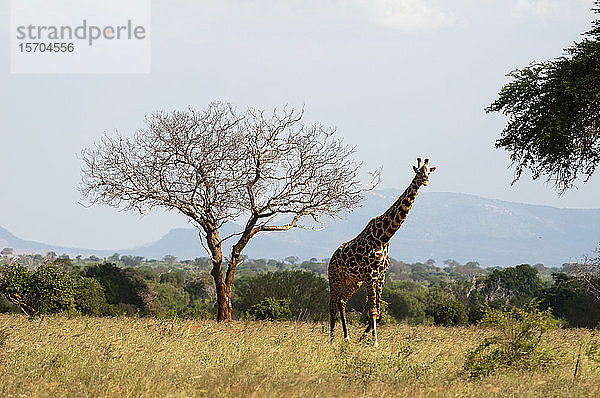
pixel 398 78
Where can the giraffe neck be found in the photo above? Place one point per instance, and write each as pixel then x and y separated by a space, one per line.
pixel 388 223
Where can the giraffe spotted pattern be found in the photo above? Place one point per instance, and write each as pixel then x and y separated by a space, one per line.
pixel 365 259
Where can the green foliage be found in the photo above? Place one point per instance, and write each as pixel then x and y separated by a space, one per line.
pixel 127 286
pixel 512 285
pixel 89 296
pixel 169 300
pixel 132 261
pixel 196 288
pixel 199 309
pixel 448 311
pixel 571 300
pixel 49 289
pixel 16 285
pixel 407 301
pixel 271 308
pixel 52 289
pixel 554 114
pixel 175 278
pixel 515 345
pixel 306 292
pixel 7 306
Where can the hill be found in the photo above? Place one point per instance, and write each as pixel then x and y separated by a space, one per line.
pixel 440 226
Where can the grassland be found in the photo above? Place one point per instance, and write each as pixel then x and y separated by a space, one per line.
pixel 120 357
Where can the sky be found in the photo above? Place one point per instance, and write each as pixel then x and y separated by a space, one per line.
pixel 399 79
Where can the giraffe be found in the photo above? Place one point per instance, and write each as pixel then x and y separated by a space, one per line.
pixel 365 259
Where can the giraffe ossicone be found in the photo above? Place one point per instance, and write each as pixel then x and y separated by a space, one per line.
pixel 365 259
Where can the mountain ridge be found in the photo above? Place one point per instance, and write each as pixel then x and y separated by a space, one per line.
pixel 441 225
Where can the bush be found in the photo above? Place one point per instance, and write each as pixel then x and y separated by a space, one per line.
pixel 306 293
pixel 89 296
pixel 516 345
pixel 16 286
pixel 169 300
pixel 126 286
pixel 449 312
pixel 571 299
pixel 271 309
pixel 407 301
pixel 47 290
pixel 199 309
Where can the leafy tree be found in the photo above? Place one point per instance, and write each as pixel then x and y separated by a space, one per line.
pixel 406 300
pixel 219 164
pixel 292 259
pixel 16 285
pixel 53 289
pixel 197 289
pixel 554 114
pixel 132 261
pixel 512 285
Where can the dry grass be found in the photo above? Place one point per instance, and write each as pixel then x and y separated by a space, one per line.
pixel 120 357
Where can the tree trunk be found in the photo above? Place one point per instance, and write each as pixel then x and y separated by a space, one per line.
pixel 224 284
pixel 223 302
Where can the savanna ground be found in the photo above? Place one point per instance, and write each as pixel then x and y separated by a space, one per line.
pixel 121 357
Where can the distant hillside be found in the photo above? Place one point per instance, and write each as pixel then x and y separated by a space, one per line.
pixel 9 240
pixel 439 226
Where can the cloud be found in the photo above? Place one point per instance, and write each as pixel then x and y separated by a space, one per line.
pixel 405 15
pixel 536 7
pixel 398 15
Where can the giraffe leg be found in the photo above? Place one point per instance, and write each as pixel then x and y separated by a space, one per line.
pixel 335 289
pixel 372 292
pixel 378 307
pixel 349 290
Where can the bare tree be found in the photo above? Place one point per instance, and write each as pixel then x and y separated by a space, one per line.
pixel 219 165
pixel 170 259
pixel 589 273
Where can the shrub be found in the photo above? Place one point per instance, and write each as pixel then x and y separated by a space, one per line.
pixel 200 309
pixel 52 288
pixel 120 309
pixel 271 309
pixel 516 344
pixel 306 292
pixel 49 289
pixel 169 300
pixel 449 312
pixel 89 296
pixel 15 286
pixel 120 285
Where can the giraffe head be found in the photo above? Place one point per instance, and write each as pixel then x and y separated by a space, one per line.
pixel 423 170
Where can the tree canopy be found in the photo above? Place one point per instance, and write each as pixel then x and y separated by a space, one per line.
pixel 220 165
pixel 553 111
